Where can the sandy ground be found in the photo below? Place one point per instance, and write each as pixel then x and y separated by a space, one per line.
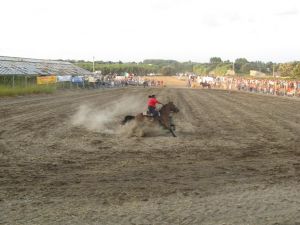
pixel 169 81
pixel 65 160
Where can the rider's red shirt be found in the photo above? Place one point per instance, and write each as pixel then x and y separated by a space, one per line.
pixel 152 102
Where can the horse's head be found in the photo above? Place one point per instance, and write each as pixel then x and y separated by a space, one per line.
pixel 172 107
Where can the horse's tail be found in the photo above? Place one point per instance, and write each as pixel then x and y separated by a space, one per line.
pixel 127 119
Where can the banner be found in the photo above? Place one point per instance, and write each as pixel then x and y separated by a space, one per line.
pixel 92 79
pixel 64 78
pixel 77 79
pixel 46 80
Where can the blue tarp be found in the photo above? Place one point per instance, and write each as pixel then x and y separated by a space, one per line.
pixel 77 79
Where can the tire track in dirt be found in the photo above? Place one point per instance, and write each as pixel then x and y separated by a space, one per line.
pixel 201 113
pixel 268 107
pixel 185 120
pixel 257 145
pixel 43 114
pixel 58 101
pixel 247 116
pixel 259 120
pixel 287 124
pixel 26 106
pixel 44 121
pixel 209 174
pixel 269 113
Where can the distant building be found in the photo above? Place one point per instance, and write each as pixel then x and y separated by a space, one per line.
pixel 255 73
pixel 277 74
pixel 230 73
pixel 34 67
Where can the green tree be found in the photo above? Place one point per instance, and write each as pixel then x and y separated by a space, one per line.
pixel 286 69
pixel 167 70
pixel 296 71
pixel 245 68
pixel 221 69
pixel 215 60
pixel 270 66
pixel 201 69
pixel 239 63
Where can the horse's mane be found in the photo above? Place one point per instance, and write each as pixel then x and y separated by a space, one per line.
pixel 165 106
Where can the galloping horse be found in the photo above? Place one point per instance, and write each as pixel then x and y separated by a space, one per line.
pixel 164 119
pixel 205 84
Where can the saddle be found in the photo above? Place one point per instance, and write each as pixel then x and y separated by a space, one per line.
pixel 147 113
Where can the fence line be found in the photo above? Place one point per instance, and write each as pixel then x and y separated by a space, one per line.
pixel 13 81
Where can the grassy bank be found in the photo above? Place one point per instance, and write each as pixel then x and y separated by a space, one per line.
pixel 9 91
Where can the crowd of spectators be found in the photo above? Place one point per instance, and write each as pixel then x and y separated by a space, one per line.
pixel 114 80
pixel 266 86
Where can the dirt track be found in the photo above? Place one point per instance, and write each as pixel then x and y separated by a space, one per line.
pixel 236 160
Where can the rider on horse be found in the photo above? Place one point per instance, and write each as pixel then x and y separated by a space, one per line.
pixel 152 101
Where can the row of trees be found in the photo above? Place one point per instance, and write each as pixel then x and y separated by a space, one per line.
pixel 290 69
pixel 240 66
pixel 139 69
pixel 216 66
pixel 165 67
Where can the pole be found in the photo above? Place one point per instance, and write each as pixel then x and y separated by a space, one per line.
pixel 93 64
pixel 13 84
pixel 273 70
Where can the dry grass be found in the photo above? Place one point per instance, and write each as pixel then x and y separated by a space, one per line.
pixel 9 91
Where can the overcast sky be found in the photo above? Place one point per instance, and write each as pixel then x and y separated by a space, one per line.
pixel 134 30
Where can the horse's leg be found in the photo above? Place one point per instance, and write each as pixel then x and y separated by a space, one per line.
pixel 165 122
pixel 172 132
pixel 168 123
